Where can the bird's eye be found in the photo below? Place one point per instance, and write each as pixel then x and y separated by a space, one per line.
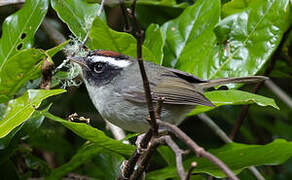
pixel 99 67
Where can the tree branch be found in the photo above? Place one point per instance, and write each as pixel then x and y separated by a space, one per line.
pixel 197 149
pixel 279 92
pixel 219 132
pixel 193 165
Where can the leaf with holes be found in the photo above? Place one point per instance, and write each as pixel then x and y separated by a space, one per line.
pixel 77 14
pixel 18 29
pixel 236 156
pixel 20 109
pixel 103 37
pixel 233 97
pixel 25 65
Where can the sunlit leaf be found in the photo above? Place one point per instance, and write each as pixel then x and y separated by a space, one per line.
pixel 154 42
pixel 20 109
pixel 94 135
pixel 18 69
pixel 51 52
pixel 77 14
pixel 184 34
pixel 233 97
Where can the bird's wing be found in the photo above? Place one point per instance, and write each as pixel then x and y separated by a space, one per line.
pixel 173 89
pixel 186 76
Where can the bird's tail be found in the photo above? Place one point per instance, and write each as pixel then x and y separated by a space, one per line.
pixel 247 79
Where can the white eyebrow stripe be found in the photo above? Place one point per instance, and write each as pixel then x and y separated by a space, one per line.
pixel 110 60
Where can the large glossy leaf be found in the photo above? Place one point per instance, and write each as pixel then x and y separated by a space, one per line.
pixel 103 37
pixel 247 39
pixel 18 29
pixel 236 156
pixel 17 70
pixel 154 42
pixel 77 14
pixel 181 33
pixel 85 153
pixel 244 42
pixel 233 97
pixel 20 109
pixel 94 135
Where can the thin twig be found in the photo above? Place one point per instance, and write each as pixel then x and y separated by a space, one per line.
pixel 87 34
pixel 178 156
pixel 129 166
pixel 144 161
pixel 219 132
pixel 197 149
pixel 279 92
pixel 148 96
pixel 127 27
pixel 154 143
pixel 192 166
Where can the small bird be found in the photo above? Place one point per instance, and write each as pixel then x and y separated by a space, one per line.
pixel 115 87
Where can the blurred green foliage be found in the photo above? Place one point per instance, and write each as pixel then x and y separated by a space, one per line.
pixel 208 38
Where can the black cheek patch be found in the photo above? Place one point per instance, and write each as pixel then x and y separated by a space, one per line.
pixel 103 78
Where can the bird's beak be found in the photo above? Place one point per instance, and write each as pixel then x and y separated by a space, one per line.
pixel 80 61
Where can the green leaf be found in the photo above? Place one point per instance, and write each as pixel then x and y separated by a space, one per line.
pixel 77 14
pixel 4 142
pixel 103 37
pixel 247 39
pixel 241 45
pixel 85 153
pixel 236 156
pixel 182 32
pixel 94 135
pixel 51 52
pixel 234 6
pixel 166 3
pixel 154 42
pixel 167 154
pixel 20 109
pixel 18 29
pixel 27 128
pixel 25 65
pixel 158 12
pixel 93 152
pixel 233 97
